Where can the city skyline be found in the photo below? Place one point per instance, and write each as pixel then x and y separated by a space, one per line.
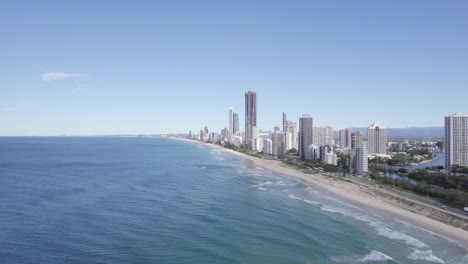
pixel 154 67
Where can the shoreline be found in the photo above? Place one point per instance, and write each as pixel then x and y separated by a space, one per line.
pixel 359 195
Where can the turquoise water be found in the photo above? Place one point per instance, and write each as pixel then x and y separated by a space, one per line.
pixel 158 200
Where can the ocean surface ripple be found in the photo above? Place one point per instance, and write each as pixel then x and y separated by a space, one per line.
pixel 159 200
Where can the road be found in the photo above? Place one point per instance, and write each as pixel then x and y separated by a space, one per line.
pixel 409 196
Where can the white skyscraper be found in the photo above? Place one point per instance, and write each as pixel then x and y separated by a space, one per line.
pixel 267 146
pixel 313 152
pixel 377 139
pixel 305 134
pixel 456 140
pixel 362 166
pixel 291 127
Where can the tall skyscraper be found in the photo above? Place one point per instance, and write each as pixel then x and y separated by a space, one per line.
pixel 231 120
pixel 456 140
pixel 305 134
pixel 235 125
pixel 361 159
pixel 284 121
pixel 345 138
pixel 250 115
pixel 377 139
pixel 356 139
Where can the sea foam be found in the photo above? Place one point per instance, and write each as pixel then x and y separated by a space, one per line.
pixel 424 255
pixel 373 256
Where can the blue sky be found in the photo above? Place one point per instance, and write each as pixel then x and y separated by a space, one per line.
pixel 114 67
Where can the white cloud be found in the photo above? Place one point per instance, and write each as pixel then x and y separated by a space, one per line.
pixel 52 76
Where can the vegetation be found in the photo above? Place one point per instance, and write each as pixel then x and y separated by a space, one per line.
pixel 449 189
pixel 398 159
pixel 459 169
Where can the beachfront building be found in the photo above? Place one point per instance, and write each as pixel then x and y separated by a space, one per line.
pixel 287 141
pixel 285 120
pixel 235 123
pixel 362 166
pixel 313 152
pixel 237 140
pixel 322 136
pixel 377 139
pixel 231 120
pixel 345 138
pixel 250 116
pixel 278 142
pixel 255 131
pixel 291 128
pixel 456 140
pixel 328 155
pixel 267 146
pixel 356 139
pixel 225 135
pixel 305 134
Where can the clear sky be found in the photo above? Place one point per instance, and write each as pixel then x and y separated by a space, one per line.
pixel 114 67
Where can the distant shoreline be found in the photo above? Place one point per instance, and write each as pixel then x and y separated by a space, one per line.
pixel 361 196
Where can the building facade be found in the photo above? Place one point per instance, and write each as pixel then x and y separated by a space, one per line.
pixel 278 143
pixel 362 166
pixel 376 139
pixel 345 138
pixel 456 140
pixel 305 134
pixel 356 139
pixel 231 121
pixel 323 135
pixel 267 146
pixel 250 116
pixel 235 123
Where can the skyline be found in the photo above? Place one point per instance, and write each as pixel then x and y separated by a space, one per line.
pixel 120 68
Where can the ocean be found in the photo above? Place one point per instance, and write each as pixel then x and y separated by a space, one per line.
pixel 160 200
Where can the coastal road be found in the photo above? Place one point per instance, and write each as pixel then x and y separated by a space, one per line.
pixel 408 196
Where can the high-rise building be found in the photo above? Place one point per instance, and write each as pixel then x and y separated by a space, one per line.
pixel 345 138
pixel 305 134
pixel 327 155
pixel 456 140
pixel 267 146
pixel 284 121
pixel 376 139
pixel 313 153
pixel 323 135
pixel 356 139
pixel 235 125
pixel 361 159
pixel 250 115
pixel 231 120
pixel 291 127
pixel 278 142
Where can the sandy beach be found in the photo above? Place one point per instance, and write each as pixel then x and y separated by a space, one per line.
pixel 356 194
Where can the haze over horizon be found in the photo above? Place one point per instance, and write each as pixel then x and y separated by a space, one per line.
pixel 96 68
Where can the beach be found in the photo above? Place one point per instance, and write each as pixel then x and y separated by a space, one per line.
pixel 358 195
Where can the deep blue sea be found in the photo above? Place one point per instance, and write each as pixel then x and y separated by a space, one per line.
pixel 160 200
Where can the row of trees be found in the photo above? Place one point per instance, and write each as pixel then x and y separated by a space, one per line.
pixel 452 190
pixel 459 182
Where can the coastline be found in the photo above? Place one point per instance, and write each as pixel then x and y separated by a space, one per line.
pixel 359 195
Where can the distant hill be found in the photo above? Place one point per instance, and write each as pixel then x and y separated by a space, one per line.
pixel 408 132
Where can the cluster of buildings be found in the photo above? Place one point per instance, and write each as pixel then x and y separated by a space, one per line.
pixel 318 144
